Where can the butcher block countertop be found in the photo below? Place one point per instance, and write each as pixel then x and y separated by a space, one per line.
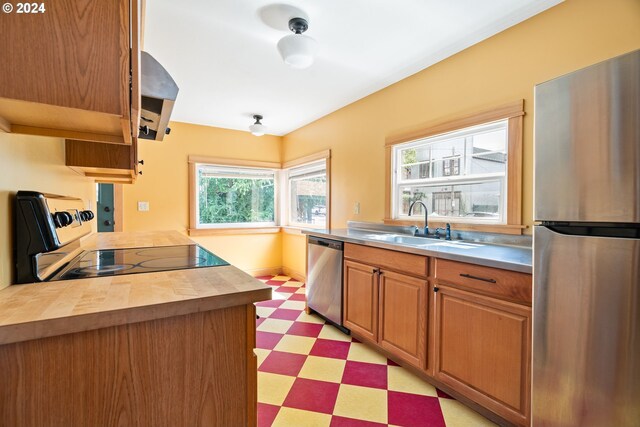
pixel 49 309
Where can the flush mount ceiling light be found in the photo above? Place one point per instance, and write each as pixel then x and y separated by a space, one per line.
pixel 298 50
pixel 257 129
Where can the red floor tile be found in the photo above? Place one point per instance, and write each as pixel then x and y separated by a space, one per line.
pixel 267 340
pixel 443 394
pixel 305 329
pixel 266 414
pixel 297 297
pixel 285 314
pixel 264 277
pixel 351 422
pixel 330 348
pixel 312 395
pixel 365 374
pixel 270 303
pixel 412 410
pixel 278 362
pixel 275 282
pixel 286 289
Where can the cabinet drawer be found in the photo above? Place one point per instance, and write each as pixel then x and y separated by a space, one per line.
pixel 504 284
pixel 399 261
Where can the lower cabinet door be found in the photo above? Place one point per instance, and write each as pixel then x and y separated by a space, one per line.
pixel 403 317
pixel 361 299
pixel 483 350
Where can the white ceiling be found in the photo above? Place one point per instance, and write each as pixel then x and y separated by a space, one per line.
pixel 223 56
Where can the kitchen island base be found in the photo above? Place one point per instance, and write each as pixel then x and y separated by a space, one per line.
pixel 191 370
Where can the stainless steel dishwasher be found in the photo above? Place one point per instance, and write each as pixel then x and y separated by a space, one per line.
pixel 324 279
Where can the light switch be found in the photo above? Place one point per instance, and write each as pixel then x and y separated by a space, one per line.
pixel 356 208
pixel 143 206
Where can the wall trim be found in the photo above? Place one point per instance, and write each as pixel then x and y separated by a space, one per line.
pixel 296 275
pixel 232 162
pixel 325 154
pixel 267 271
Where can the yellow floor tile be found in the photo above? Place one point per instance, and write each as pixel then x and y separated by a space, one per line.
pixel 293 305
pixel 362 403
pixel 330 332
pixel 300 291
pixel 323 369
pixel 261 354
pixel 362 353
pixel 290 417
pixel 295 344
pixel 277 326
pixel 309 318
pixel 265 311
pixel 273 388
pixel 457 415
pixel 399 379
pixel 281 278
pixel 294 283
pixel 280 295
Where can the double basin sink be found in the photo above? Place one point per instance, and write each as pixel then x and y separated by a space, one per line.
pixel 420 242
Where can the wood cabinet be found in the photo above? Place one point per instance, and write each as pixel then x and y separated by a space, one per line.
pixel 117 163
pixel 403 316
pixel 72 71
pixel 483 350
pixel 483 336
pixel 465 327
pixel 387 308
pixel 361 299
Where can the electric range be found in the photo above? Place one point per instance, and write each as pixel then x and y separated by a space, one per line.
pixel 48 229
pixel 115 262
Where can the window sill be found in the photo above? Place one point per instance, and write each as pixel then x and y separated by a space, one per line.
pixel 464 226
pixel 231 231
pixel 296 229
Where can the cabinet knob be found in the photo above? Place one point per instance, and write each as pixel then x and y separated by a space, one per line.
pixel 141 162
pixel 108 223
pixel 436 289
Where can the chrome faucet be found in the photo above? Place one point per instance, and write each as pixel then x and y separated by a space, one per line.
pixel 426 215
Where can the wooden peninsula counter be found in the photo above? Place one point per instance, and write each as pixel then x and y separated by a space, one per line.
pixel 171 348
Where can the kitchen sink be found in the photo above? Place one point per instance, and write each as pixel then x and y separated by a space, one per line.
pixel 421 241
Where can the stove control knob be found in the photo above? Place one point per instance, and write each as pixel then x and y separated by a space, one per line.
pixel 62 219
pixel 86 215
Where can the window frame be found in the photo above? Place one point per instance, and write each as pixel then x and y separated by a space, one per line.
pixel 286 190
pixel 513 113
pixel 195 228
pixel 281 208
pixel 451 179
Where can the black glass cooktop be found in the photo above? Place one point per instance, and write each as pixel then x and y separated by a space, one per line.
pixel 112 262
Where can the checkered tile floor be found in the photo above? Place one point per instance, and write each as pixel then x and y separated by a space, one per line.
pixel 311 374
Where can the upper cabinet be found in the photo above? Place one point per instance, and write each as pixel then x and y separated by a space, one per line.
pixel 72 70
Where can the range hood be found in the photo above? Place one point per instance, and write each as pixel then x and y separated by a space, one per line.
pixel 158 92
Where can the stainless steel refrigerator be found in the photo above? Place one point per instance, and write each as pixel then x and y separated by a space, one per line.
pixel 586 308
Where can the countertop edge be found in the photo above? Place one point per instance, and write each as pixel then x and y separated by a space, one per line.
pixel 47 328
pixel 505 265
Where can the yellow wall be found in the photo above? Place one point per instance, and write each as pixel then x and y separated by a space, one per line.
pixel 498 70
pixel 164 184
pixel 32 163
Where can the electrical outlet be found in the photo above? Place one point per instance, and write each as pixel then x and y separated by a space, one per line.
pixel 356 208
pixel 143 206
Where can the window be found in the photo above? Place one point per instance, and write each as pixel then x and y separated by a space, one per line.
pixel 235 196
pixel 467 177
pixel 467 171
pixel 231 196
pixel 307 188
